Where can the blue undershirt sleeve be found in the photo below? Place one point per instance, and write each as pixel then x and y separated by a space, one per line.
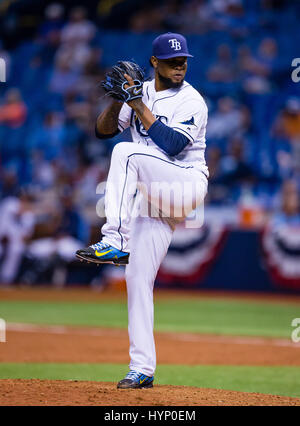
pixel 166 138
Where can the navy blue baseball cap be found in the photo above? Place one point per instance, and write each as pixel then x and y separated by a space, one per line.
pixel 170 45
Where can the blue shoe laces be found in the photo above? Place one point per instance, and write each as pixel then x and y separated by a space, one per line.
pixel 100 246
pixel 133 375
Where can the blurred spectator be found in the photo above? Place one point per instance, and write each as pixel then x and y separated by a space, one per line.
pixel 86 180
pixel 54 20
pixel 16 227
pixel 172 15
pixel 49 32
pixel 194 17
pixel 77 55
pixel 71 223
pixel 9 183
pixel 48 257
pixel 267 55
pixel 42 171
pixel 92 72
pixel 64 78
pixel 289 205
pixel 287 126
pixel 218 192
pixel 224 69
pixel 230 15
pixel 146 19
pixel 13 112
pixel 229 119
pixel 78 30
pixel 254 72
pixel 213 160
pixel 230 174
pixel 77 107
pixel 285 163
pixel 235 168
pixel 50 136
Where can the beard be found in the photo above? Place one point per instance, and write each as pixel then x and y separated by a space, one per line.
pixel 168 83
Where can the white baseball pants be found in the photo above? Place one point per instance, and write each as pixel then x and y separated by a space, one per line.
pixel 142 224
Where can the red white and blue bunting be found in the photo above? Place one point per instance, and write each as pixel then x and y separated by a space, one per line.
pixel 191 254
pixel 281 248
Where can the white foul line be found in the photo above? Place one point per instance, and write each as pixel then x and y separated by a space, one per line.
pixel 184 337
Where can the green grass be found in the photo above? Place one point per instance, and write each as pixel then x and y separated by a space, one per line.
pixel 65 313
pixel 228 317
pixel 283 381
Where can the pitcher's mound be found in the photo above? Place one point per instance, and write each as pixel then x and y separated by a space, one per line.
pixel 59 392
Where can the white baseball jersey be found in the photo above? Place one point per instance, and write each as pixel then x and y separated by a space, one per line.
pixel 182 109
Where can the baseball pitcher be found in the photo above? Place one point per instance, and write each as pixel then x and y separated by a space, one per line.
pixel 167 118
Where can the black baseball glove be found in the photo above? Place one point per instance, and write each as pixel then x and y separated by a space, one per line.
pixel 115 82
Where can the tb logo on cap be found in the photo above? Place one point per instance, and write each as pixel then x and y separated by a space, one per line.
pixel 175 44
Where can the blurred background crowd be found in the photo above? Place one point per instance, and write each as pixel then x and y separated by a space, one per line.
pixel 56 54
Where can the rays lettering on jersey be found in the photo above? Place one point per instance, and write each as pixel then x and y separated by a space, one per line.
pixel 141 129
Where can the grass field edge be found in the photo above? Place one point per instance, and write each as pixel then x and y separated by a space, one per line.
pixel 275 380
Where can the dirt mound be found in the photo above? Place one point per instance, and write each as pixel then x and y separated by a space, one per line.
pixel 55 392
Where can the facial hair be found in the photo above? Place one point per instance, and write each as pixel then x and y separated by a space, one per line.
pixel 168 83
